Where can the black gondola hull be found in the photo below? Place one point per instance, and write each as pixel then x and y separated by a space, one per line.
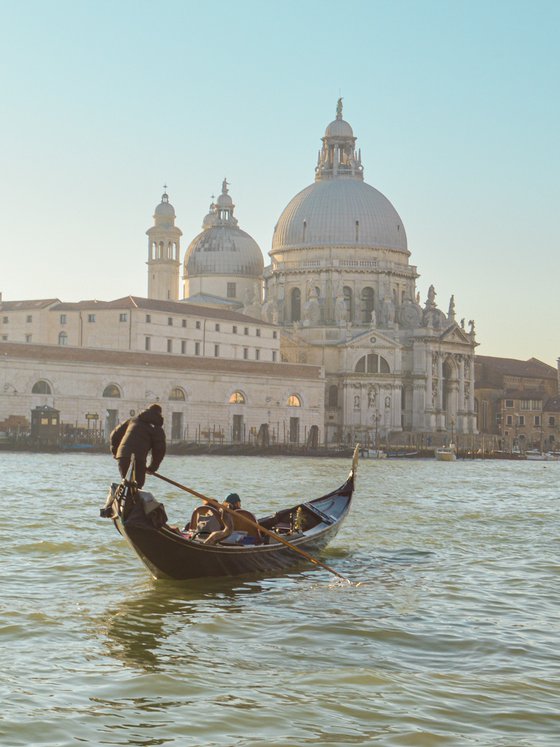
pixel 169 555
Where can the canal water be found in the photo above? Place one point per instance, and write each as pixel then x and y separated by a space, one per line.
pixel 451 638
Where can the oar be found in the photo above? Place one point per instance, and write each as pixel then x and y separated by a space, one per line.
pixel 216 504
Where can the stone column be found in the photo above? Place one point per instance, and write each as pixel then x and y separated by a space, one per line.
pixel 439 403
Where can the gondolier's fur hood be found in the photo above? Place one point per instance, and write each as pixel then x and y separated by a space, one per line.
pixel 152 415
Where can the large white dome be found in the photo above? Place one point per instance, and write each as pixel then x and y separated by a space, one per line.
pixel 341 211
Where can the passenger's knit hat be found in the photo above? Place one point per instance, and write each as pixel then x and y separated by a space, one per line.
pixel 232 499
pixel 155 407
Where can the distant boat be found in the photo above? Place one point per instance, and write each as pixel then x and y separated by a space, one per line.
pixel 535 455
pixel 373 454
pixel 446 453
pixel 401 454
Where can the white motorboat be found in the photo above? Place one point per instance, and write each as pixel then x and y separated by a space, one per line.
pixel 446 453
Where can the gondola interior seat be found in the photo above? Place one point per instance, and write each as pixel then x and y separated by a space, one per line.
pixel 242 523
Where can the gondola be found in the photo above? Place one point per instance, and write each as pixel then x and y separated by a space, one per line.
pixel 169 553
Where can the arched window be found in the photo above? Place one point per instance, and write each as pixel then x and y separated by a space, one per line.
pixel 333 396
pixel 62 338
pixel 112 391
pixel 295 305
pixel 41 387
pixel 348 301
pixel 372 363
pixel 294 400
pixel 367 304
pixel 237 398
pixel 177 394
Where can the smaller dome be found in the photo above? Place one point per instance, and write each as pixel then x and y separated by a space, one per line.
pixel 223 248
pixel 165 209
pixel 339 128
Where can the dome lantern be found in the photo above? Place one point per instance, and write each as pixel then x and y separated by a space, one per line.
pixel 338 157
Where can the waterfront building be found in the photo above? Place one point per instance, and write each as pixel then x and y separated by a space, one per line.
pixel 518 401
pixel 339 296
pixel 204 399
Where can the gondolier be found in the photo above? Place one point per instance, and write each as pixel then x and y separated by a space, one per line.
pixel 140 436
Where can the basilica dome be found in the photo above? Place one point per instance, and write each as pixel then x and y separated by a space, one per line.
pixel 339 209
pixel 222 248
pixel 339 212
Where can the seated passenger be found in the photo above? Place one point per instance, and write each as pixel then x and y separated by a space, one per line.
pixel 243 521
pixel 211 524
pixel 233 502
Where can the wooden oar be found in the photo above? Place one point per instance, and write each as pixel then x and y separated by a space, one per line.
pixel 216 504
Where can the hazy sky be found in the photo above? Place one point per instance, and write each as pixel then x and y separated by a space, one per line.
pixel 455 105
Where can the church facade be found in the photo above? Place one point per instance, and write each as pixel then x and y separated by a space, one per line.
pixel 342 291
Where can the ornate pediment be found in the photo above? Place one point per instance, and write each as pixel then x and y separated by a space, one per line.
pixel 456 334
pixel 370 340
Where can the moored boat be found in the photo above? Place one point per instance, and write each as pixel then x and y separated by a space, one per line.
pixel 286 535
pixel 446 453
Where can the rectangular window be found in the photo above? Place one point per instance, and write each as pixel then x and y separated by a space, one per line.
pixel 274 356
pixel 148 318
pixel 246 331
pixel 231 291
pixel 274 335
pixel 257 355
pixel 537 420
pixel 198 325
pixel 91 318
pixel 170 346
pixel 63 318
pixel 217 327
pixel 197 348
pixel 216 351
pixel 509 419
pixel 183 347
pixel 29 318
pixel 183 322
pixel 123 317
pixel 509 403
pixel 27 338
pixel 258 332
pixel 551 421
pixel 525 404
pixel 245 353
pixel 521 420
pixel 169 321
pixel 147 343
pixel 234 329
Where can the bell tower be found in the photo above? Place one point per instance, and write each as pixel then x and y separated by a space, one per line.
pixel 164 239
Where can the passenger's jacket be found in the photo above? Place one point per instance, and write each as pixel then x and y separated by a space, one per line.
pixel 139 436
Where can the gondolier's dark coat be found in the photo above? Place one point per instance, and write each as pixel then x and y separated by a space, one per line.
pixel 139 436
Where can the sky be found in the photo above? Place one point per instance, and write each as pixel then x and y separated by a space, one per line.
pixel 455 106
